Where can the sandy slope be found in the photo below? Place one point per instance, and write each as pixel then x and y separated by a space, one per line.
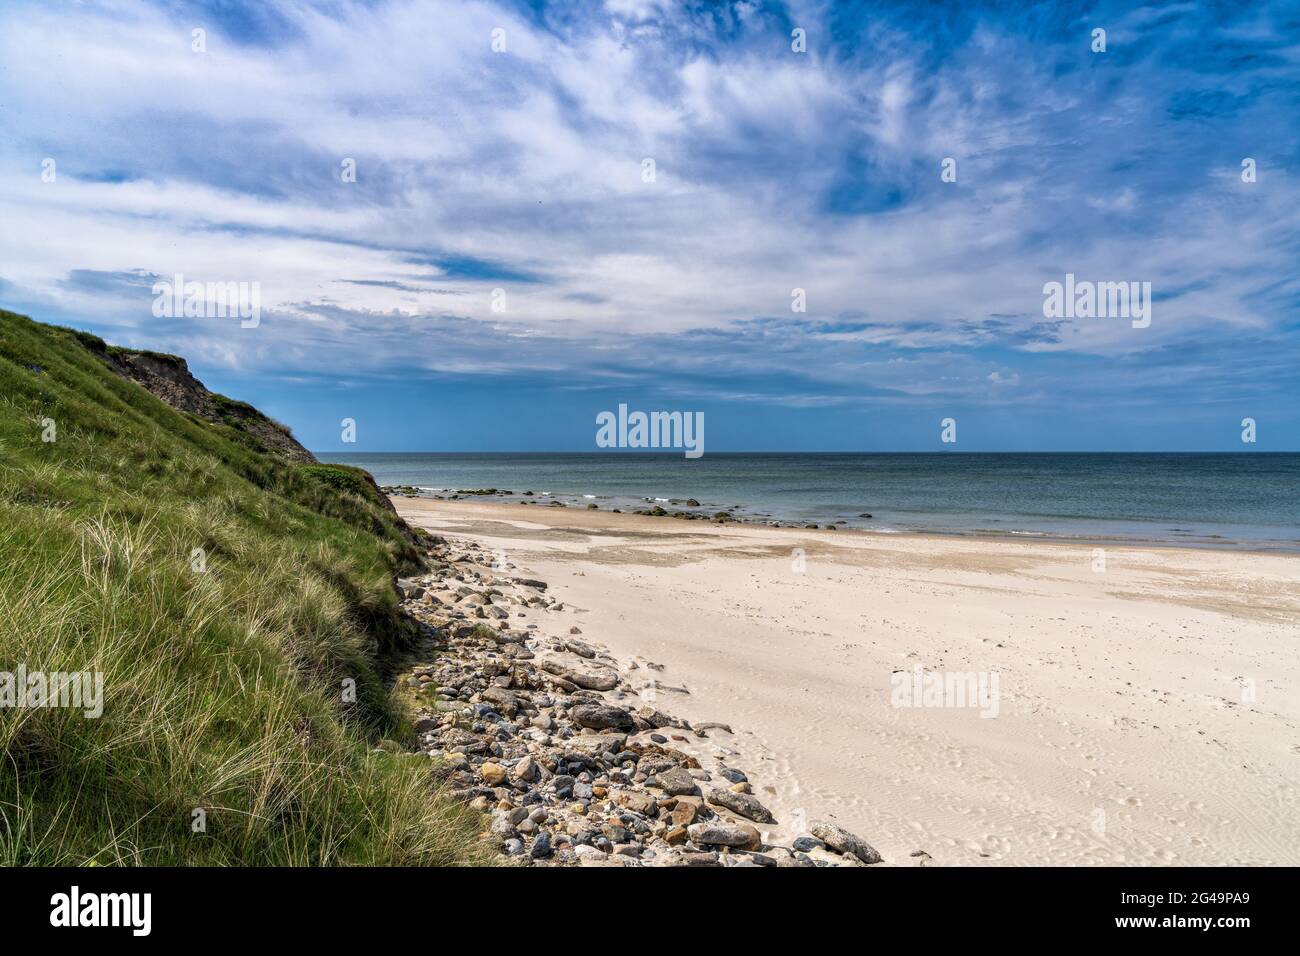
pixel 1147 714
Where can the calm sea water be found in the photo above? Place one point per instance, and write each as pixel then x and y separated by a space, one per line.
pixel 1230 500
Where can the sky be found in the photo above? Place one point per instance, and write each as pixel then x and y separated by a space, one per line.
pixel 559 208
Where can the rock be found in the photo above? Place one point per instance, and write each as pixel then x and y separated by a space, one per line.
pixel 541 847
pixel 593 745
pixel 638 802
pixel 842 841
pixel 806 844
pixel 581 648
pixel 716 833
pixel 741 804
pixel 692 503
pixel 575 630
pixel 602 717
pixel 501 827
pixel 531 583
pixel 589 678
pixel 713 725
pixel 676 836
pixel 503 700
pixel 684 814
pixel 493 774
pixel 735 776
pixel 675 782
pixel 527 770
pixel 514 847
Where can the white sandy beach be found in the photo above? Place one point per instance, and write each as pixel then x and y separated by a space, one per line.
pixel 1147 714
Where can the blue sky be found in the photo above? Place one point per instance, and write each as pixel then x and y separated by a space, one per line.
pixel 516 176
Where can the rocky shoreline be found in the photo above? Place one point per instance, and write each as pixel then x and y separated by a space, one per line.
pixel 656 510
pixel 562 747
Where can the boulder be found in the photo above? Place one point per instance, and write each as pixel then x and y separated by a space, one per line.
pixel 593 745
pixel 503 700
pixel 637 801
pixel 675 782
pixel 842 841
pixel 581 648
pixel 741 804
pixel 590 678
pixel 717 833
pixel 602 717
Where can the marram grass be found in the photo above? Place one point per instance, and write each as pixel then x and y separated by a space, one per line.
pixel 225 596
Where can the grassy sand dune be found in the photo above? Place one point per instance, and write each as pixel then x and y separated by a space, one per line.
pixel 228 596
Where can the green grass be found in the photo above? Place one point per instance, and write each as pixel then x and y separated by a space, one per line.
pixel 223 688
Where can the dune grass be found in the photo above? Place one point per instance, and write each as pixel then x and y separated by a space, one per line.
pixel 229 599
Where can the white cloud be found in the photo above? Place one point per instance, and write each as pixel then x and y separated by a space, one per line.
pixel 531 159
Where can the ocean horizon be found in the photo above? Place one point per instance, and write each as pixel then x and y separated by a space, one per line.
pixel 1203 499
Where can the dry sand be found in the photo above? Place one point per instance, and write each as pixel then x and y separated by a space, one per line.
pixel 1147 713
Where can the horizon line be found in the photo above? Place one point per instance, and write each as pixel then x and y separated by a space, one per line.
pixel 676 453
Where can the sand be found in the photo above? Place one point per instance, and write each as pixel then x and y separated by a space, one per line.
pixel 1146 713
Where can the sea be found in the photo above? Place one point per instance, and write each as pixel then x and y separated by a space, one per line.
pixel 1230 500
